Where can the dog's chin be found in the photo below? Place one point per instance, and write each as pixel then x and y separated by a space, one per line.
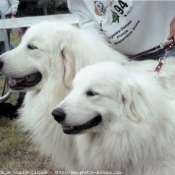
pixel 26 82
pixel 80 129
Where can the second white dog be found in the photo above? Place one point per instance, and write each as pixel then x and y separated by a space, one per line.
pixel 126 124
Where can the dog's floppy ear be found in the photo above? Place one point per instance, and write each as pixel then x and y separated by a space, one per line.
pixel 130 110
pixel 135 100
pixel 69 67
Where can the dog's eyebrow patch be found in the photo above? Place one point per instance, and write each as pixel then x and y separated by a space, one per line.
pixel 31 47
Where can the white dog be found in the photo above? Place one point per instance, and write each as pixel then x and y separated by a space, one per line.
pixel 127 124
pixel 45 63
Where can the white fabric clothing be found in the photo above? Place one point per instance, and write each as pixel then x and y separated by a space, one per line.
pixel 131 26
pixel 9 6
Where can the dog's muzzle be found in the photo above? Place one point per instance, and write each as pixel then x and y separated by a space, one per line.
pixel 60 117
pixel 24 82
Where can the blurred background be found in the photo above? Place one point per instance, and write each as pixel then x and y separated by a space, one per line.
pixel 42 7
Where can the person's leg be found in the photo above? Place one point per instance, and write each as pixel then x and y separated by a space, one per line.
pixel 2 47
pixel 11 46
pixel 8 33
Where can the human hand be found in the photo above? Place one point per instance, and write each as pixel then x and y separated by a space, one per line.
pixel 172 30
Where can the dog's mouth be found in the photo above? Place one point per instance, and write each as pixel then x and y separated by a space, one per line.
pixel 24 82
pixel 77 129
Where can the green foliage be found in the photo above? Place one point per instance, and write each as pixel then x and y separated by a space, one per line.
pixel 29 8
pixel 39 7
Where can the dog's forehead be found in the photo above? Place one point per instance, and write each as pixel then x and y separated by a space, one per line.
pixel 37 30
pixel 47 26
pixel 47 30
pixel 42 26
pixel 100 74
pixel 102 69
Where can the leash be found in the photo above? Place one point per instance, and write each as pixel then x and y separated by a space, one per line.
pixel 156 48
pixel 162 60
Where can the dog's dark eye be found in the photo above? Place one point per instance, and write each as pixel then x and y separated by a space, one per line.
pixel 91 93
pixel 31 47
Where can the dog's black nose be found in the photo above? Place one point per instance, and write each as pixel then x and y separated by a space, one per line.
pixel 1 64
pixel 59 115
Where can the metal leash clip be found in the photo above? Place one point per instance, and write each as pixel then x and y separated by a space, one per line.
pixel 162 60
pixel 162 45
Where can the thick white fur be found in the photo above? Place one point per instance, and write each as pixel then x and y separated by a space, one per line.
pixel 62 51
pixel 136 135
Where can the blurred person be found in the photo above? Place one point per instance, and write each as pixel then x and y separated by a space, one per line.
pixel 9 9
pixel 130 26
